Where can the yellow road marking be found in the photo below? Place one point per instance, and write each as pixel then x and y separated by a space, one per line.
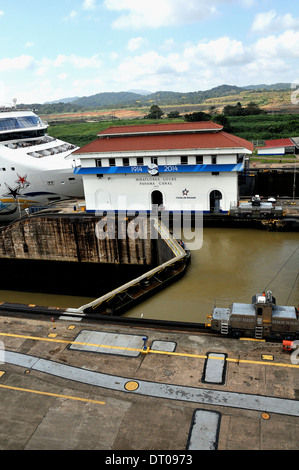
pixel 267 357
pixel 153 351
pixel 253 339
pixel 38 392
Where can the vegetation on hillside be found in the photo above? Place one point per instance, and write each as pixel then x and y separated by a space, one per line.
pixel 238 110
pixel 263 95
pixel 253 128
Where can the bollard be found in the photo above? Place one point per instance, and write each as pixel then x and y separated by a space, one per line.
pixel 145 349
pixel 53 323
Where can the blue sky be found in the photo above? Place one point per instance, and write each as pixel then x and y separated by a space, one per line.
pixel 52 49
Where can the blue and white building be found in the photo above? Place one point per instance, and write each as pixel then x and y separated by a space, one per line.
pixel 176 167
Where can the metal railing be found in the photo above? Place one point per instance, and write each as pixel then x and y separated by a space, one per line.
pixel 179 255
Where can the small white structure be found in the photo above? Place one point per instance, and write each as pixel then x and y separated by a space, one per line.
pixel 176 167
pixel 277 147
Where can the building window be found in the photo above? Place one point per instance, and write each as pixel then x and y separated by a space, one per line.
pixel 214 160
pixel 199 160
pixel 126 162
pixel 184 160
pixel 154 160
pixel 140 161
pixel 98 162
pixel 112 161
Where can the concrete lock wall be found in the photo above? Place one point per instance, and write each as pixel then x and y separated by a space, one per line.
pixel 78 239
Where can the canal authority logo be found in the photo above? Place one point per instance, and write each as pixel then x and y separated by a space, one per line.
pixel 185 195
pixel 153 169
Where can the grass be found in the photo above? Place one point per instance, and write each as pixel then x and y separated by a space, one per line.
pixel 252 128
pixel 271 160
pixel 82 133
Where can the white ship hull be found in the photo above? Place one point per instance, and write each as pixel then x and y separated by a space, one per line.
pixel 33 171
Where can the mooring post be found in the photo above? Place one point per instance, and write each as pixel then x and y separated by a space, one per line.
pixel 145 349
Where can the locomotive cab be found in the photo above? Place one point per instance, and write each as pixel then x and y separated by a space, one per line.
pixel 263 312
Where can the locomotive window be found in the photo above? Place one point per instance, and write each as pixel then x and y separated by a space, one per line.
pixel 260 310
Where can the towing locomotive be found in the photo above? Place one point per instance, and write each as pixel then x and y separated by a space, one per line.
pixel 260 319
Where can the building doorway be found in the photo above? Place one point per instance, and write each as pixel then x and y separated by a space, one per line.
pixel 157 200
pixel 215 198
pixel 102 200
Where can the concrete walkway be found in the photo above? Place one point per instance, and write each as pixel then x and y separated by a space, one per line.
pixel 158 390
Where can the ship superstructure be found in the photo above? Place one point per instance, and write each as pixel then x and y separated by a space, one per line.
pixel 34 170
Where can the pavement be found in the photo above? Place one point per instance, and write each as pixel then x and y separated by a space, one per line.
pixel 77 385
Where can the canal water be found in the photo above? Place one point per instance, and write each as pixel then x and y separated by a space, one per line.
pixel 232 264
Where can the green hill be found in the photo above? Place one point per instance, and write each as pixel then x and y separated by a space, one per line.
pixel 269 97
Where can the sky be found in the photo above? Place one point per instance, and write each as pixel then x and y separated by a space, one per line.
pixel 54 49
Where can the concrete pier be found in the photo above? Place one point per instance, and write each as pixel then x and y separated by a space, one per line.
pixel 88 386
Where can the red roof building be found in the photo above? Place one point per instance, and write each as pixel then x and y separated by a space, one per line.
pixel 170 166
pixel 279 143
pixel 199 135
pixel 277 147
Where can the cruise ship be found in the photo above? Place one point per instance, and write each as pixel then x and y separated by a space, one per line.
pixel 33 167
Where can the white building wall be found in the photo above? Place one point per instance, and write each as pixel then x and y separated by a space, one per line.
pixel 271 151
pixel 181 191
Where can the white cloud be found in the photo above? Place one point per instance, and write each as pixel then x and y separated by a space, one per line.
pixel 139 66
pixel 136 14
pixel 93 62
pixel 73 15
pixel 113 55
pixel 29 44
pixel 135 43
pixel 88 86
pixel 75 61
pixel 270 21
pixel 22 62
pixel 89 4
pixel 62 76
pixel 286 45
pixel 1 13
pixel 209 63
pixel 168 43
pixel 222 51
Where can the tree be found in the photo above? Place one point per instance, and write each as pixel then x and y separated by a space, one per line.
pixel 155 112
pixel 253 108
pixel 238 110
pixel 213 110
pixel 173 114
pixel 223 121
pixel 197 116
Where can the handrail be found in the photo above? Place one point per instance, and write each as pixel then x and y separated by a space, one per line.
pixel 176 248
